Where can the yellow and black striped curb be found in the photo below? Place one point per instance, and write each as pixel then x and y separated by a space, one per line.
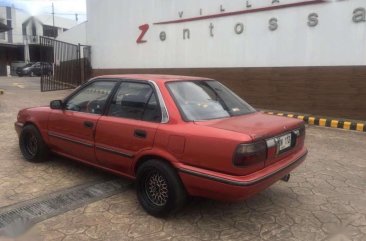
pixel 318 121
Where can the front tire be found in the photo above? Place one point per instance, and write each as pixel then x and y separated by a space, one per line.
pixel 159 189
pixel 32 145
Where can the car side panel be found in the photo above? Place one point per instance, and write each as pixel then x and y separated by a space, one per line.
pixel 117 144
pixel 38 117
pixel 67 133
pixel 203 147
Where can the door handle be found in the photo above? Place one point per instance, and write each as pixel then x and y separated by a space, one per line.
pixel 88 124
pixel 140 133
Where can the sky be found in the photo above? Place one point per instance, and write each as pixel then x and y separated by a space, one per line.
pixel 63 8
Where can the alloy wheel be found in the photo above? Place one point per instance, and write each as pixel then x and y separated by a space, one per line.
pixel 156 187
pixel 31 144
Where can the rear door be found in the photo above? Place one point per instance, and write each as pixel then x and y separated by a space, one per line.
pixel 71 130
pixel 128 127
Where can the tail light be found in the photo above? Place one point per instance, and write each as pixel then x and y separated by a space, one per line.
pixel 302 130
pixel 248 154
pixel 299 132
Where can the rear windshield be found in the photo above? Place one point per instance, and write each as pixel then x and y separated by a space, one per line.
pixel 207 99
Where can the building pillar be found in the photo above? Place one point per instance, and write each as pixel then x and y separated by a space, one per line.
pixel 26 52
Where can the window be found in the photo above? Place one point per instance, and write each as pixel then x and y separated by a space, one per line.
pixel 2 34
pixel 50 31
pixel 205 100
pixel 135 101
pixel 92 98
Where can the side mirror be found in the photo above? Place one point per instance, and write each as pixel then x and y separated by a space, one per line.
pixel 56 104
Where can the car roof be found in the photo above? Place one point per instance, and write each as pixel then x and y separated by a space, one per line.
pixel 153 77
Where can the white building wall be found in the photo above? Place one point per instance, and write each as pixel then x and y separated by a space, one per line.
pixel 113 29
pixel 38 26
pixel 2 12
pixel 18 20
pixel 17 17
pixel 3 36
pixel 75 35
pixel 59 21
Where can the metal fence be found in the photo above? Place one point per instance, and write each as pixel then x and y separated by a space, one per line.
pixel 63 65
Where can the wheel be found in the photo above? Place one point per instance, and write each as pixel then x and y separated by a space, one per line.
pixel 159 189
pixel 32 74
pixel 32 145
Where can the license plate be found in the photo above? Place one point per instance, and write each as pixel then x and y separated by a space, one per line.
pixel 284 141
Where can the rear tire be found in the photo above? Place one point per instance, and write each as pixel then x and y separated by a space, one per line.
pixel 159 188
pixel 32 145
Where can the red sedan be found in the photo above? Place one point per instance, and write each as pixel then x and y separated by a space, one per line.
pixel 175 135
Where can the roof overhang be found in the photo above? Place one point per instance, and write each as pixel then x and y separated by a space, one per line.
pixel 6 45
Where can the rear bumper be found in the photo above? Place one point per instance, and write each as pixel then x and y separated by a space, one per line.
pixel 205 183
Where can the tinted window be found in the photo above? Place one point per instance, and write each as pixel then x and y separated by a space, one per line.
pixel 205 100
pixel 152 110
pixel 135 101
pixel 92 98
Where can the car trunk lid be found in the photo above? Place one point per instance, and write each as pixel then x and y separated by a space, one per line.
pixel 257 125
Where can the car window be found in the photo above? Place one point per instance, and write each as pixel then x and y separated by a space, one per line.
pixel 135 101
pixel 92 98
pixel 205 100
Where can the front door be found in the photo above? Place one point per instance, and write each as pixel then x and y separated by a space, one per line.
pixel 128 127
pixel 71 130
pixel 36 69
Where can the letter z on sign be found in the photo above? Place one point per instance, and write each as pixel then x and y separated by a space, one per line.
pixel 143 29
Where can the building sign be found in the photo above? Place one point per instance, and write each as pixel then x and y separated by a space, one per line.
pixel 358 15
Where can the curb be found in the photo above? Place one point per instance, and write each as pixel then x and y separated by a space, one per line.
pixel 326 122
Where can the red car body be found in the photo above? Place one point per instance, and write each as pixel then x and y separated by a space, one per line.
pixel 200 151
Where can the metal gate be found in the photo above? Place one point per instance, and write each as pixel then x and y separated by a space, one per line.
pixel 63 65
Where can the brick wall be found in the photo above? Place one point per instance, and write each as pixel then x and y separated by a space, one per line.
pixel 326 91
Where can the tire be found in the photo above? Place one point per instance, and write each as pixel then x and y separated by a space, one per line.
pixel 32 74
pixel 165 198
pixel 32 145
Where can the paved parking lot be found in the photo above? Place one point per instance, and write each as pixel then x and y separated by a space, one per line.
pixel 325 198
